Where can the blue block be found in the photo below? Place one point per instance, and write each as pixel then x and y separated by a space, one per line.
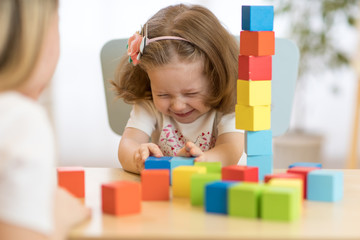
pixel 157 163
pixel 325 185
pixel 305 164
pixel 263 162
pixel 258 142
pixel 257 18
pixel 216 196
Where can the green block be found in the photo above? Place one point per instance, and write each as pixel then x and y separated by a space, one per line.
pixel 244 200
pixel 211 167
pixel 279 204
pixel 197 188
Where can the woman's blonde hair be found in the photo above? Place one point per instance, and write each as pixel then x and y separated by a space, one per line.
pixel 23 24
pixel 209 41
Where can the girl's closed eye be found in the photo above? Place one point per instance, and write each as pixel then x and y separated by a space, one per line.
pixel 163 95
pixel 191 94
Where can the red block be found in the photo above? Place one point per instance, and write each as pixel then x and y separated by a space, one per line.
pixel 302 171
pixel 240 173
pixel 257 43
pixel 72 179
pixel 288 175
pixel 121 198
pixel 155 184
pixel 255 68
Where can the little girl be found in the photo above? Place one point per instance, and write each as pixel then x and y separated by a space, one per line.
pixel 181 78
pixel 30 205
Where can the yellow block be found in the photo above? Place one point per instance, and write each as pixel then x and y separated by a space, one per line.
pixel 181 179
pixel 254 93
pixel 292 183
pixel 253 118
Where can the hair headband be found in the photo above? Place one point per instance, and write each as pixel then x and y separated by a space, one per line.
pixel 137 43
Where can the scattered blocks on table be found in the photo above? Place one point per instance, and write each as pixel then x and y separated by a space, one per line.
pixel 255 68
pixel 302 171
pixel 253 93
pixel 211 167
pixel 263 162
pixel 306 164
pixel 252 118
pixel 197 187
pixel 257 18
pixel 260 43
pixel 325 185
pixel 279 204
pixel 181 179
pixel 216 196
pixel 121 198
pixel 244 200
pixel 288 176
pixel 258 142
pixel 240 173
pixel 72 179
pixel 155 185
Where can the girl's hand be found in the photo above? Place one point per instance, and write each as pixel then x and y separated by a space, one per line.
pixel 191 150
pixel 143 152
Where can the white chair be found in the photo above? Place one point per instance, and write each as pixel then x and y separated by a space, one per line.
pixel 284 74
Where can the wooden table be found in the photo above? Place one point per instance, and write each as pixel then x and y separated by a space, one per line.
pixel 177 219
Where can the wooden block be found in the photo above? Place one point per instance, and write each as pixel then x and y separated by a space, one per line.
pixel 302 171
pixel 197 186
pixel 181 179
pixel 325 185
pixel 211 167
pixel 155 185
pixel 121 198
pixel 279 204
pixel 258 142
pixel 244 200
pixel 253 93
pixel 157 163
pixel 306 164
pixel 263 162
pixel 287 176
pixel 252 118
pixel 72 179
pixel 255 68
pixel 216 196
pixel 257 43
pixel 239 173
pixel 257 18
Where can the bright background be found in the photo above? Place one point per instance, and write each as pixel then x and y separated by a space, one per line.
pixel 77 99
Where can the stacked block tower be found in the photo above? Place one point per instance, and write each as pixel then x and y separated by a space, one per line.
pixel 253 108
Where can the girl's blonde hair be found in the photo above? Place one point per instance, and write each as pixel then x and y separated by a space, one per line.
pixel 209 41
pixel 23 24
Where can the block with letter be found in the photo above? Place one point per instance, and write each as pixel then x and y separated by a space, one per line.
pixel 197 186
pixel 325 185
pixel 254 67
pixel 240 173
pixel 287 176
pixel 182 178
pixel 121 198
pixel 244 200
pixel 155 185
pixel 306 164
pixel 279 204
pixel 260 43
pixel 263 162
pixel 252 118
pixel 72 179
pixel 216 196
pixel 302 171
pixel 211 167
pixel 253 93
pixel 258 142
pixel 257 18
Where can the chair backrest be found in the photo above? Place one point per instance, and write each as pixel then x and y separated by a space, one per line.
pixel 284 74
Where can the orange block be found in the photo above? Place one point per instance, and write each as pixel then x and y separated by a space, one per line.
pixel 121 198
pixel 155 184
pixel 72 179
pixel 261 43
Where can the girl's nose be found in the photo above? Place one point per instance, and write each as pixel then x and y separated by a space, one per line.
pixel 177 105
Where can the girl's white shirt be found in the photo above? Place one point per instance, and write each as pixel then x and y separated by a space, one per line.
pixel 171 135
pixel 27 163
